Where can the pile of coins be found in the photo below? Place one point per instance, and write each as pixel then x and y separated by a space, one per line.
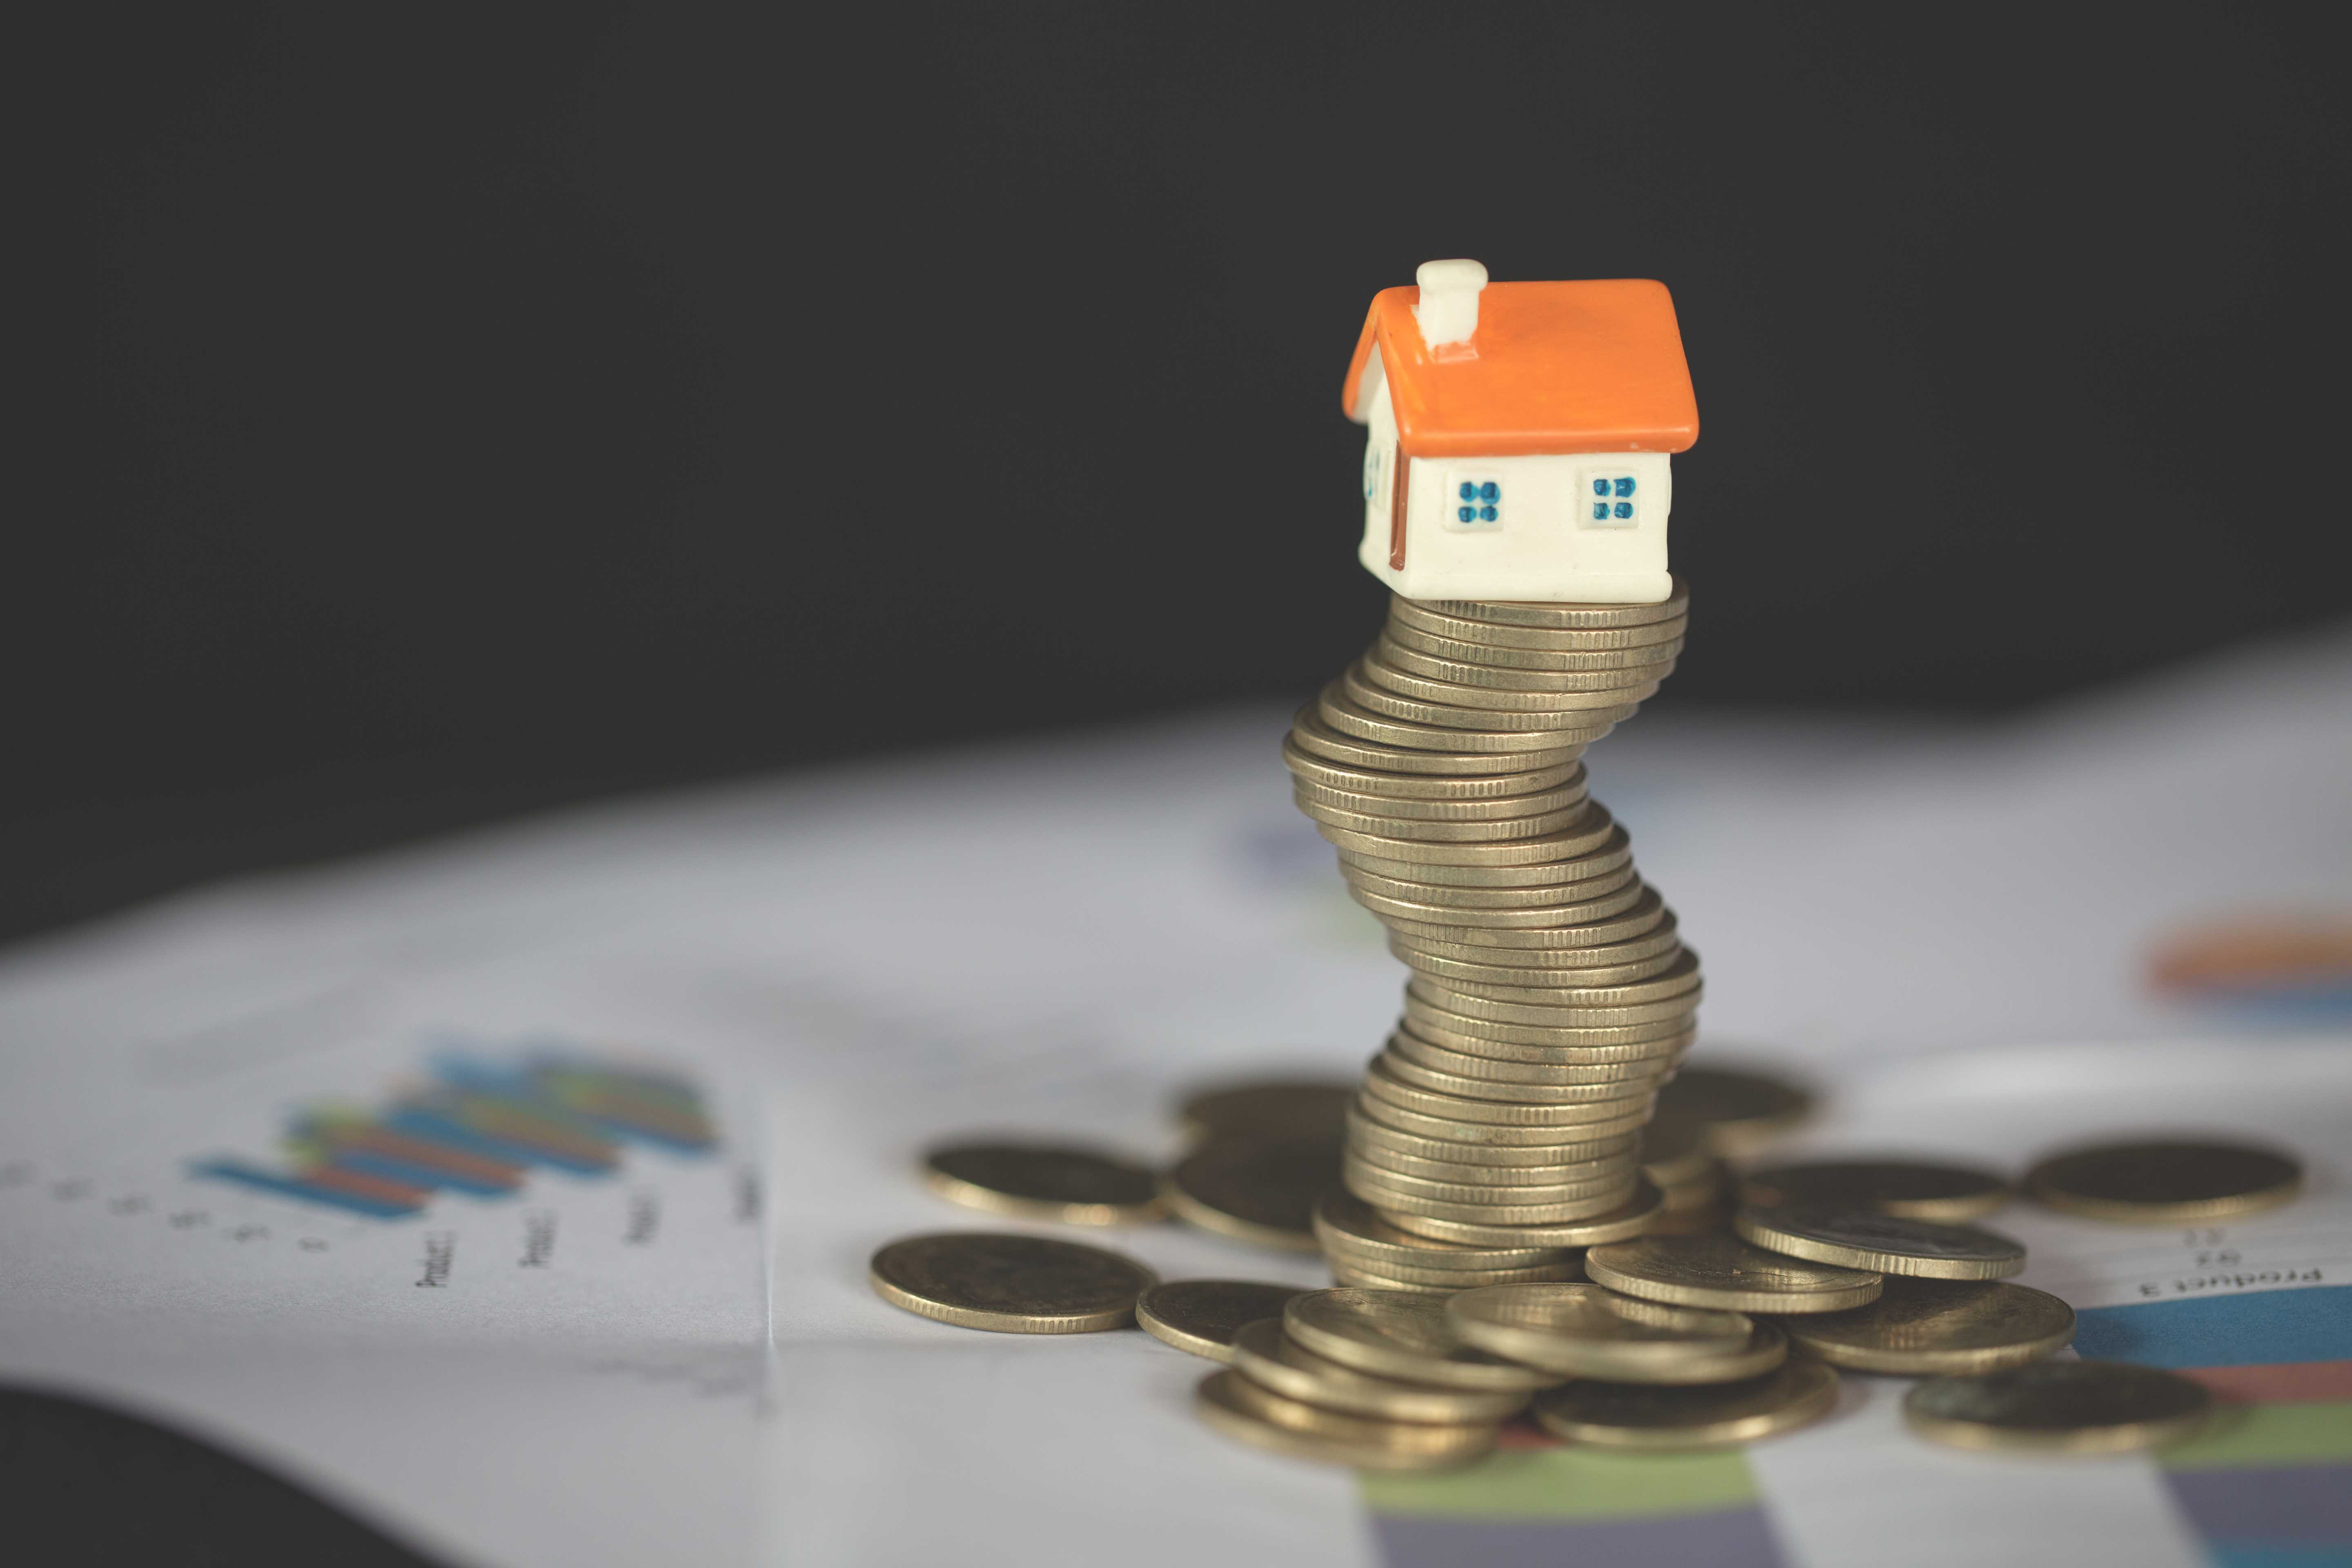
pixel 1722 1323
pixel 1550 994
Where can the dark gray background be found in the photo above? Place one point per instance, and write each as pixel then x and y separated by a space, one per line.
pixel 442 412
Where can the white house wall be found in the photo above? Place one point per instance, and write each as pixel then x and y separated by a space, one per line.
pixel 1544 544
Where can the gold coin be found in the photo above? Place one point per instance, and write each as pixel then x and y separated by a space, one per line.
pixel 1632 1219
pixel 1881 1243
pixel 2164 1184
pixel 1486 808
pixel 1591 829
pixel 1405 1204
pixel 1600 906
pixel 1614 853
pixel 1520 1135
pixel 1586 1195
pixel 1511 1004
pixel 1009 1284
pixel 1938 1328
pixel 1346 1223
pixel 1407 1045
pixel 1674 1150
pixel 1585 1331
pixel 1587 975
pixel 1076 1186
pixel 1273 1360
pixel 1490 1173
pixel 1702 1190
pixel 1464 629
pixel 1305 767
pixel 1260 1190
pixel 1459 902
pixel 1348 1274
pixel 1241 1409
pixel 1483 1088
pixel 1566 617
pixel 1707 1218
pixel 1742 1110
pixel 1319 738
pixel 1401 1278
pixel 1641 928
pixel 1365 1131
pixel 1704 1416
pixel 1427 1015
pixel 1646 657
pixel 1346 716
pixel 1400 1334
pixel 1634 687
pixel 1396 655
pixel 1380 1084
pixel 1725 1272
pixel 1201 1316
pixel 1268 1108
pixel 2060 1407
pixel 1594 709
pixel 1911 1189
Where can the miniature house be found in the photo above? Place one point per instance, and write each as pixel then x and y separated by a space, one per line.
pixel 1519 437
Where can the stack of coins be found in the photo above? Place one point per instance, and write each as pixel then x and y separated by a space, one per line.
pixel 1551 995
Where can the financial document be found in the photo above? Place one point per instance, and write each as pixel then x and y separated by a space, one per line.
pixel 377 1173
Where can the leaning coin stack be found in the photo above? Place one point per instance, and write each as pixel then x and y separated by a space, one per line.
pixel 1500 1127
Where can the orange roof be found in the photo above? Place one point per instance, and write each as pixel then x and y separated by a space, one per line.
pixel 1593 367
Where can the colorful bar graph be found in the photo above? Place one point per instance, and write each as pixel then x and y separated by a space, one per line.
pixel 480 1132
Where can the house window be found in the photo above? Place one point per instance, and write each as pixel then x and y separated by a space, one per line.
pixel 1371 467
pixel 1609 502
pixel 1476 503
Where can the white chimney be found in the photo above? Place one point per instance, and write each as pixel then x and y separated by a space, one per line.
pixel 1448 312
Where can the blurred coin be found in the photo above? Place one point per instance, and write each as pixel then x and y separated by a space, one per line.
pixel 1268 1108
pixel 1346 1223
pixel 1078 1186
pixel 1202 1316
pixel 1586 1330
pixel 1260 1190
pixel 1308 768
pixel 1566 616
pixel 1247 1413
pixel 1637 1215
pixel 1271 1358
pixel 1725 1272
pixel 2064 1406
pixel 1885 1243
pixel 1011 1284
pixel 1674 1149
pixel 1742 1110
pixel 1400 1334
pixel 1910 1188
pixel 2164 1183
pixel 1705 1415
pixel 1938 1328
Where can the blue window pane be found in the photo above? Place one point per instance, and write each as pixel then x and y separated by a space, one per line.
pixel 1600 487
pixel 1466 513
pixel 1486 514
pixel 1490 492
pixel 1599 510
pixel 1624 509
pixel 1469 490
pixel 1624 487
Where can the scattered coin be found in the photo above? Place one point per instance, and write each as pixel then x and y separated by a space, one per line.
pixel 1271 1358
pixel 1911 1189
pixel 1938 1328
pixel 1250 1413
pixel 1708 1270
pixel 1076 1186
pixel 1702 1416
pixel 1585 1331
pixel 1400 1334
pixel 2064 1406
pixel 1202 1316
pixel 1674 1150
pixel 1261 1190
pixel 1011 1284
pixel 1857 1238
pixel 1742 1110
pixel 2165 1183
pixel 1272 1108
